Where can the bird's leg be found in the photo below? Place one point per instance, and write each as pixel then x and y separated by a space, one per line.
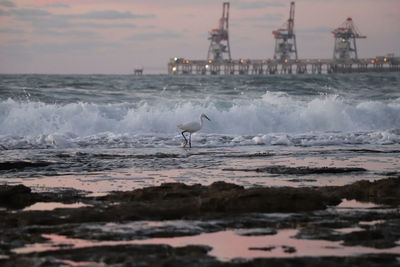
pixel 186 141
pixel 190 140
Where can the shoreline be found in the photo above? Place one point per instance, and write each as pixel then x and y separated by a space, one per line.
pixel 136 220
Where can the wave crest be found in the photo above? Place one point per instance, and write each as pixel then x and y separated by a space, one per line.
pixel 271 114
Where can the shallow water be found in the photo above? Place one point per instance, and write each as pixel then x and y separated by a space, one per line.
pixel 105 170
pixel 227 245
pixel 53 206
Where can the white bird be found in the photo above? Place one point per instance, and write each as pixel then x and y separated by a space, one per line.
pixel 191 127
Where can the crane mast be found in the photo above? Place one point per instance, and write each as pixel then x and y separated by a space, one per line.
pixel 345 47
pixel 219 45
pixel 285 39
pixel 291 19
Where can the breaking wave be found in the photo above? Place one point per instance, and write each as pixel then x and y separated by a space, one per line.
pixel 275 118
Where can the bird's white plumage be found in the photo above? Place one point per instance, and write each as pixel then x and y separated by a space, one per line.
pixel 191 127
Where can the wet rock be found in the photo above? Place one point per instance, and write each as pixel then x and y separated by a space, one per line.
pixel 289 249
pixel 18 165
pixel 384 191
pixel 141 230
pixel 302 180
pixel 315 232
pixel 373 238
pixel 380 236
pixel 215 208
pixel 251 155
pixel 299 170
pixel 379 260
pixel 167 191
pixel 192 250
pixel 179 200
pixel 392 173
pixel 256 232
pixel 262 248
pixel 18 196
pixel 120 255
pixel 159 255
pixel 6 191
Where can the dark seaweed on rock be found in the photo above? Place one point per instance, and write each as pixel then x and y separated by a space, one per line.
pixel 191 256
pixel 256 232
pixel 383 235
pixel 252 155
pixel 384 191
pixel 18 165
pixel 20 196
pixel 120 255
pixel 177 200
pixel 228 203
pixel 299 170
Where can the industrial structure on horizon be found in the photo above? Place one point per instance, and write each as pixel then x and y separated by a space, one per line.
pixel 285 39
pixel 219 45
pixel 345 41
pixel 285 60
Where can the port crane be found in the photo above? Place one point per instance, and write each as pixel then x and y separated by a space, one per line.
pixel 285 39
pixel 345 40
pixel 345 58
pixel 219 45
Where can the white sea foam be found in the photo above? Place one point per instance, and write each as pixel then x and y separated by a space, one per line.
pixel 274 119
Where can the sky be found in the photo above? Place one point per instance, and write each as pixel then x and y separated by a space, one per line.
pixel 115 36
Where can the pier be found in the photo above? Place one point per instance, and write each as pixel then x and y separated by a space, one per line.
pixel 288 66
pixel 285 60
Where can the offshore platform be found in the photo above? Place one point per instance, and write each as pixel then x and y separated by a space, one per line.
pixel 285 60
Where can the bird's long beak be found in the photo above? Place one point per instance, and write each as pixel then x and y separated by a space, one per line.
pixel 207 117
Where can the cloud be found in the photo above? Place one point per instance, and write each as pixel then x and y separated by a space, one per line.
pixel 313 33
pixel 154 36
pixel 57 5
pixel 315 30
pixel 265 26
pixel 11 31
pixel 108 26
pixel 62 22
pixel 85 34
pixel 149 27
pixel 26 13
pixel 86 45
pixel 269 17
pixel 259 4
pixel 42 19
pixel 48 22
pixel 6 3
pixel 4 13
pixel 110 15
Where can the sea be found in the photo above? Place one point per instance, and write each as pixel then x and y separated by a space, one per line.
pixel 101 133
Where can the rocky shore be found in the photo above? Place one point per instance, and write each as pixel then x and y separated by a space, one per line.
pixel 206 209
